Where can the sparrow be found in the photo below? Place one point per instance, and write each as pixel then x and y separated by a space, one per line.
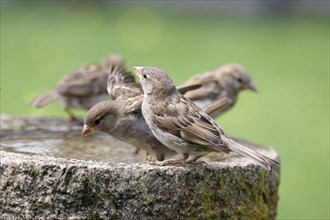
pixel 225 82
pixel 81 89
pixel 122 117
pixel 181 125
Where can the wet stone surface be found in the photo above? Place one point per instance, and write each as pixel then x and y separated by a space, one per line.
pixel 105 180
pixel 54 137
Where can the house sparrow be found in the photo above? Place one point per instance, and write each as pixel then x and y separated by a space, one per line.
pixel 181 125
pixel 113 118
pixel 122 117
pixel 225 82
pixel 81 89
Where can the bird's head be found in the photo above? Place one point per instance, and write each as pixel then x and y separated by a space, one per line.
pixel 101 117
pixel 236 77
pixel 154 81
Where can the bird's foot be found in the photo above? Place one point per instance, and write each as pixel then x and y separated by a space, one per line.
pixel 136 150
pixel 194 160
pixel 74 121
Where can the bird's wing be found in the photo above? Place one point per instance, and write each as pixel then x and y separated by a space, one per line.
pixel 131 104
pixel 187 88
pixel 86 81
pixel 217 105
pixel 122 83
pixel 209 90
pixel 199 94
pixel 179 117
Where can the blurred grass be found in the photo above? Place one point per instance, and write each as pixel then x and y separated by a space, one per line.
pixel 288 58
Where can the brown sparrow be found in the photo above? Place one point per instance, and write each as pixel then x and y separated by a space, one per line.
pixel 225 82
pixel 81 89
pixel 122 117
pixel 181 125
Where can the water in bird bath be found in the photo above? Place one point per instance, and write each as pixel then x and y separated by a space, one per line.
pixel 53 137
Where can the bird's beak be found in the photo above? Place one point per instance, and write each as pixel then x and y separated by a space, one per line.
pixel 138 70
pixel 87 131
pixel 251 86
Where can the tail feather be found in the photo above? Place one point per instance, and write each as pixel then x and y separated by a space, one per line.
pixel 45 99
pixel 262 160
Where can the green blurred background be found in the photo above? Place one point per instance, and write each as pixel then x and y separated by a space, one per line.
pixel 285 47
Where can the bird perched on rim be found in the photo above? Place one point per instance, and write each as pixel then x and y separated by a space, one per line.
pixel 122 117
pixel 181 125
pixel 83 88
pixel 225 82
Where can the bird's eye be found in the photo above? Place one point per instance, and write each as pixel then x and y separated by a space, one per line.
pixel 145 76
pixel 240 80
pixel 97 121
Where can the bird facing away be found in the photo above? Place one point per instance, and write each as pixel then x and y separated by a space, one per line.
pixel 225 82
pixel 122 117
pixel 181 125
pixel 81 89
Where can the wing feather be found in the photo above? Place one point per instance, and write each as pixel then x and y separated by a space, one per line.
pixel 122 83
pixel 86 81
pixel 190 123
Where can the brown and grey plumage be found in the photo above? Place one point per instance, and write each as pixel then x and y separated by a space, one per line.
pixel 181 125
pixel 122 85
pixel 83 88
pixel 113 118
pixel 225 82
pixel 122 117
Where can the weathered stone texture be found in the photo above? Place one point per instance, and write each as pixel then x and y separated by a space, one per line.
pixel 34 187
pixel 42 187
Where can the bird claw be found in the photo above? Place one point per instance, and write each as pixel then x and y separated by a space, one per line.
pixel 136 151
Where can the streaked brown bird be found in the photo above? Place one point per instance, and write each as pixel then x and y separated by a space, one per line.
pixel 181 125
pixel 122 117
pixel 225 82
pixel 83 88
